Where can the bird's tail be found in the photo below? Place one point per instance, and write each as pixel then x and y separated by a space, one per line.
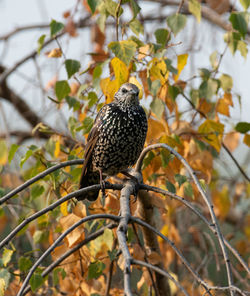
pixel 87 179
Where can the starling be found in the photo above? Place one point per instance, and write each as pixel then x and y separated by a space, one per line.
pixel 115 140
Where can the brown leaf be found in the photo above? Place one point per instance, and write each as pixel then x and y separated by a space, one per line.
pixel 70 28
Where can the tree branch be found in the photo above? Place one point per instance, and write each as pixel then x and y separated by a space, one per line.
pixel 215 224
pixel 58 240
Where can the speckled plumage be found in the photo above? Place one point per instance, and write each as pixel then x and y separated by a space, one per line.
pixel 116 139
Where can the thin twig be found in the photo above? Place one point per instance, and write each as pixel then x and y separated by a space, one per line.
pixel 53 206
pixel 58 261
pixel 215 223
pixel 162 272
pixel 58 240
pixel 192 208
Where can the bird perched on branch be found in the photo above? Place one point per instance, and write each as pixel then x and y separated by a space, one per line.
pixel 115 140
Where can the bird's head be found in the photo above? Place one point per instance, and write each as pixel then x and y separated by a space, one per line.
pixel 127 95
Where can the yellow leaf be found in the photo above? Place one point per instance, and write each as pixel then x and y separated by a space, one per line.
pixel 222 202
pixel 212 131
pixel 109 88
pixel 3 152
pixel 55 53
pixel 181 63
pixel 120 70
pixel 63 208
pixel 158 70
pixel 222 107
pixel 164 231
pixel 133 80
pixel 231 140
pixel 57 147
pixel 246 140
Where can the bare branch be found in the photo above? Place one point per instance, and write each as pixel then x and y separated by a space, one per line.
pixel 38 177
pixel 202 217
pixel 58 240
pixel 160 271
pixel 215 224
pixel 58 261
pixel 53 206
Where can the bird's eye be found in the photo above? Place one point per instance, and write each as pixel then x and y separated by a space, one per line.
pixel 124 90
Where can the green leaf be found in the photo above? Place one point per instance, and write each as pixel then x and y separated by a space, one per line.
pixel 245 3
pixel 226 82
pixel 36 281
pixel 124 50
pixel 242 127
pixel 92 5
pixel 72 125
pixel 40 42
pixel 242 47
pixel 147 160
pixel 170 187
pixel 194 7
pixel 55 27
pixel 56 273
pixel 3 286
pixel 72 66
pixel 180 179
pixel 24 264
pixel 73 103
pixel 112 7
pixel 157 106
pixel 36 190
pixel 97 72
pixel 165 157
pixel 161 36
pixel 238 22
pixel 87 124
pixel 28 154
pixel 7 254
pixel 95 270
pixel 92 98
pixel 62 89
pixel 176 22
pixel 135 8
pixel 208 88
pixel 173 92
pixel 12 152
pixel 136 27
pixel 188 190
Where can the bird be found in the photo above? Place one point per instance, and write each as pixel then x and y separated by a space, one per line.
pixel 115 141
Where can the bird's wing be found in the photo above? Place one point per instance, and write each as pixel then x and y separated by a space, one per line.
pixel 91 141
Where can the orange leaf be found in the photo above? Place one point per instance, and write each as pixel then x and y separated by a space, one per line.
pixel 231 140
pixel 155 130
pixel 3 152
pixel 246 140
pixel 222 107
pixel 228 98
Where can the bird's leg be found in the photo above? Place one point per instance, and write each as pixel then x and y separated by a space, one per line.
pixel 102 183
